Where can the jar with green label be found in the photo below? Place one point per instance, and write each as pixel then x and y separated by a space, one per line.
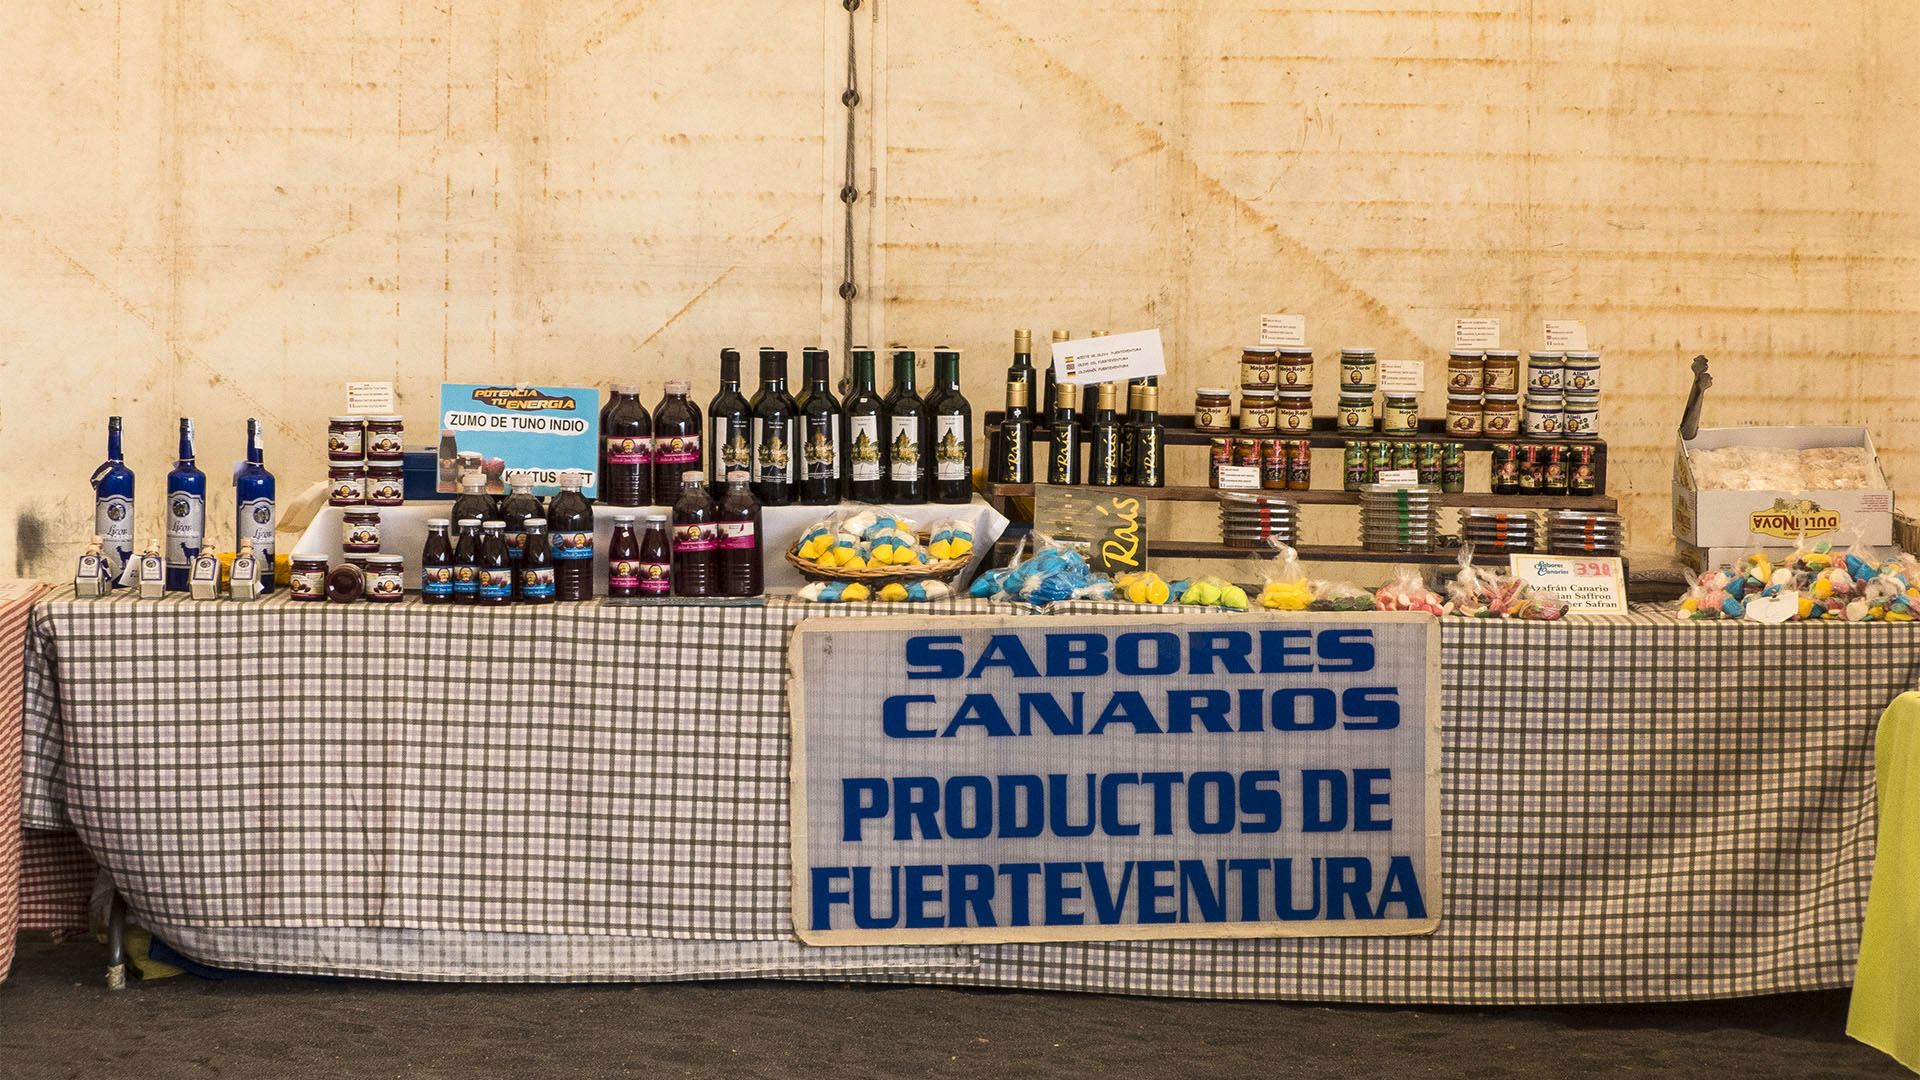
pixel 1356 413
pixel 1400 415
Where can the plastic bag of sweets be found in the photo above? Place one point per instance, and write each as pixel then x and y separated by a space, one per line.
pixel 1481 593
pixel 1210 591
pixel 1287 587
pixel 1051 573
pixel 1340 596
pixel 1407 592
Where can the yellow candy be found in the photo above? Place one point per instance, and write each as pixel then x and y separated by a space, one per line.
pixel 855 562
pixel 1137 592
pixel 854 591
pixel 1806 606
pixel 938 549
pixel 894 591
pixel 1288 596
pixel 1235 597
pixel 959 547
pixel 1157 591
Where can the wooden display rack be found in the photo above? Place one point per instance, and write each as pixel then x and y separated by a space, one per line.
pixel 1180 432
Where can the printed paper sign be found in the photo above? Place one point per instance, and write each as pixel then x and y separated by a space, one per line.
pixel 1284 331
pixel 1114 358
pixel 369 398
pixel 1566 335
pixel 1595 585
pixel 1469 334
pixel 980 779
pixel 1239 477
pixel 1403 376
pixel 1402 478
pixel 542 430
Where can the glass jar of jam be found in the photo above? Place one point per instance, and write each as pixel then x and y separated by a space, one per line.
pixel 1259 367
pixel 1273 463
pixel 386 578
pixel 308 579
pixel 1357 370
pixel 1466 373
pixel 1463 415
pixel 1296 369
pixel 1583 373
pixel 1500 416
pixel 1582 417
pixel 1294 414
pixel 1546 373
pixel 1356 412
pixel 1258 410
pixel 1502 372
pixel 346 438
pixel 385 439
pixel 1543 415
pixel 347 485
pixel 1212 409
pixel 1400 415
pixel 359 531
pixel 386 485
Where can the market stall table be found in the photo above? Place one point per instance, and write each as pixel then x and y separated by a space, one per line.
pixel 1634 808
pixel 16 597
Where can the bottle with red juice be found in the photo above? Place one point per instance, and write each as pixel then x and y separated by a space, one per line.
pixel 626 450
pixel 570 526
pixel 519 505
pixel 676 441
pixel 535 574
pixel 466 562
pixel 694 540
pixel 623 558
pixel 730 420
pixel 496 567
pixel 656 558
pixel 436 564
pixel 738 521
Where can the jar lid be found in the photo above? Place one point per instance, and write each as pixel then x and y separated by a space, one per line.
pixel 1213 391
pixel 1475 398
pixel 1356 353
pixel 1297 351
pixel 493 523
pixel 1587 401
pixel 1296 392
pixel 346 419
pixel 386 419
pixel 1262 350
pixel 464 522
pixel 1366 394
pixel 1503 354
pixel 1403 397
pixel 1546 358
pixel 438 523
pixel 386 467
pixel 656 519
pixel 623 519
pixel 347 466
pixel 1463 354
pixel 534 522
pixel 1245 394
pixel 624 388
pixel 1503 397
pixel 362 514
pixel 1583 357
pixel 1543 401
pixel 307 556
pixel 385 560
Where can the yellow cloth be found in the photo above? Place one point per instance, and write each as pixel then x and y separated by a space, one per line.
pixel 1885 1012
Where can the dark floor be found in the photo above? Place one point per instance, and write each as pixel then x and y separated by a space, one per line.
pixel 58 1020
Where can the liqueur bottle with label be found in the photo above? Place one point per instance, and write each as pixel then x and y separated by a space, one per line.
pixel 466 561
pixel 694 543
pixel 676 441
pixel 1063 437
pixel 1149 451
pixel 820 435
pixel 906 435
pixel 436 564
pixel 519 505
pixel 474 501
pixel 623 554
pixel 535 576
pixel 626 450
pixel 496 568
pixel 729 426
pixel 737 521
pixel 656 553
pixel 186 512
pixel 952 432
pixel 1014 465
pixel 1103 461
pixel 776 431
pixel 253 513
pixel 570 525
pixel 113 506
pixel 866 437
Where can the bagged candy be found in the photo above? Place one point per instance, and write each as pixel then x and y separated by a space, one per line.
pixel 1210 592
pixel 1287 587
pixel 1407 592
pixel 1491 594
pixel 1052 573
pixel 951 540
pixel 1340 596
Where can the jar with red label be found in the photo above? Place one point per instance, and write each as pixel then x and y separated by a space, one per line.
pixel 1212 410
pixel 347 485
pixel 346 438
pixel 1273 464
pixel 386 485
pixel 360 530
pixel 386 439
pixel 309 576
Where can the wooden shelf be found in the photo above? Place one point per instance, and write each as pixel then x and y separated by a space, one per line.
pixel 1176 493
pixel 1179 431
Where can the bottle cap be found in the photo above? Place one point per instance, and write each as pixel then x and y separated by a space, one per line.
pixel 738 476
pixel 464 522
pixel 386 560
pixel 439 523
pixel 623 519
pixel 656 519
pixel 492 524
pixel 1023 340
pixel 532 522
pixel 624 388
pixel 693 476
pixel 1061 335
pixel 386 419
pixel 346 419
pixel 678 387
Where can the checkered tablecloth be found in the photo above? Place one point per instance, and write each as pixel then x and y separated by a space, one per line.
pixel 16 598
pixel 1634 808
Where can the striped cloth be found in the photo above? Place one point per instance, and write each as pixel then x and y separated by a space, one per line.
pixel 1634 808
pixel 16 597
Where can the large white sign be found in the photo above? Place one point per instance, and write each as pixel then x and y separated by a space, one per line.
pixel 1042 778
pixel 1114 358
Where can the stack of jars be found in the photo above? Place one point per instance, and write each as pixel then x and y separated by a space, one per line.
pixel 1276 394
pixel 366 461
pixel 1358 377
pixel 1563 395
pixel 1483 394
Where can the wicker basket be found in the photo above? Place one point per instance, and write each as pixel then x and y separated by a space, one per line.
pixel 906 574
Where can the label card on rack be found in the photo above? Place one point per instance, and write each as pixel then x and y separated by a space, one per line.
pixel 1284 331
pixel 1403 376
pixel 1239 478
pixel 1565 335
pixel 1471 334
pixel 369 398
pixel 1114 358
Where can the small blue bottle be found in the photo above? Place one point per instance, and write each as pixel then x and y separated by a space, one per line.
pixel 113 505
pixel 253 513
pixel 186 512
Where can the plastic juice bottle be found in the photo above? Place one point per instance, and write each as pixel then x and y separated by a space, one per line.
pixel 694 539
pixel 656 558
pixel 623 557
pixel 676 441
pixel 738 520
pixel 536 564
pixel 466 562
pixel 570 519
pixel 496 566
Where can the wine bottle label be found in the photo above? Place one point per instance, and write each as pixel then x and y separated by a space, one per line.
pixel 466 578
pixel 950 447
pixel 496 583
pixel 573 545
pixel 186 527
pixel 822 447
pixel 905 446
pixel 536 582
pixel 656 578
pixel 773 451
pixel 735 452
pixel 676 449
pixel 623 574
pixel 113 521
pixel 437 581
pixel 693 538
pixel 736 535
pixel 864 454
pixel 629 450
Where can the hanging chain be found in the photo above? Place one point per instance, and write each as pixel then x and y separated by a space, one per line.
pixel 849 194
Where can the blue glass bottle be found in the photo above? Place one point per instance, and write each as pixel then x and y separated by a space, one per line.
pixel 186 512
pixel 113 504
pixel 253 512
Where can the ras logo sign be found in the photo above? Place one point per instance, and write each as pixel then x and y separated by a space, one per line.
pixel 1790 519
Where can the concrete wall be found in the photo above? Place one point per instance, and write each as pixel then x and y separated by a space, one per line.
pixel 230 210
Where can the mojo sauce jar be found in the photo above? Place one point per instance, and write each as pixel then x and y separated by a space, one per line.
pixel 308 580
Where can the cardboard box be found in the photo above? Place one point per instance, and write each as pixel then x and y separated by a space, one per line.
pixel 1700 560
pixel 1767 520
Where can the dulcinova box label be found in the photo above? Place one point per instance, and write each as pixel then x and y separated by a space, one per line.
pixel 1042 778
